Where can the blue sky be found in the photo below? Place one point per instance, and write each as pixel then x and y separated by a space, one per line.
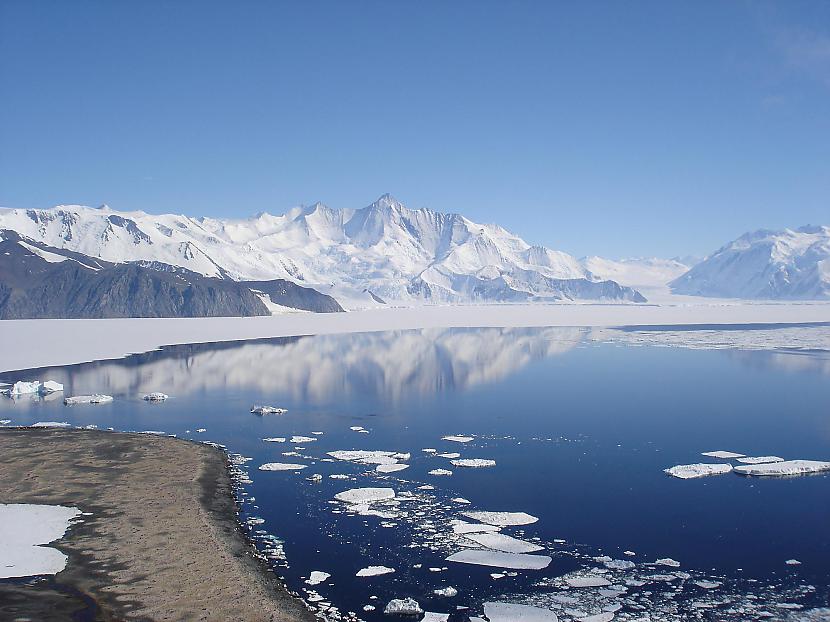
pixel 620 128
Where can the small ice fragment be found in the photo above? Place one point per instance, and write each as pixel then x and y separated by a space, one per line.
pixel 50 386
pixel 447 592
pixel 619 564
pixel 404 607
pixel 501 542
pixel 268 410
pixel 498 559
pixel 723 455
pixel 368 607
pixel 365 495
pixel 708 585
pixel 429 450
pixel 629 553
pixel 439 472
pixel 587 581
pixel 502 519
pixel 605 616
pixel 374 571
pixel 426 487
pixel 462 527
pixel 200 430
pixel 273 439
pixel 316 577
pixel 450 455
pixel 760 459
pixel 460 500
pixel 5 421
pixel 458 439
pixel 788 467
pixel 690 471
pixel 431 616
pixel 474 463
pixel 96 398
pixel 301 439
pixel 667 561
pixel 792 562
pixel 508 612
pixel 281 466
pixel 155 397
pixel 390 468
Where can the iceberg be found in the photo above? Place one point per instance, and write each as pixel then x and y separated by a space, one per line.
pixel 498 559
pixel 156 397
pixel 759 459
pixel 96 398
pixel 404 607
pixel 501 542
pixel 474 463
pixel 316 577
pixel 281 466
pixel 374 571
pixel 723 455
pixel 439 472
pixel 446 592
pixel 268 410
pixel 365 495
pixel 508 612
pixel 502 519
pixel 50 386
pixel 787 467
pixel 23 388
pixel 691 471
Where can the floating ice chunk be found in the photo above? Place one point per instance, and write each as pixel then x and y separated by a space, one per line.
pixel 155 397
pixel 723 455
pixel 462 527
pixel 339 476
pixel 426 487
pixel 474 463
pixel 690 471
pixel 357 428
pixel 708 585
pixel 447 592
pixel 5 421
pixel 587 581
pixel 458 439
pixel 760 459
pixel 508 612
pixel 51 424
pixel 301 439
pixel 23 388
pixel 96 398
pixel 404 607
pixel 316 577
pixel 439 472
pixel 365 495
pixel 431 616
pixel 200 430
pixel 273 439
pixel 619 564
pixel 50 386
pixel 281 466
pixel 792 562
pixel 365 457
pixel 390 468
pixel 788 467
pixel 450 455
pixel 374 571
pixel 368 607
pixel 429 450
pixel 502 519
pixel 461 500
pixel 23 529
pixel 268 410
pixel 498 559
pixel 667 561
pixel 605 616
pixel 501 542
pixel 402 456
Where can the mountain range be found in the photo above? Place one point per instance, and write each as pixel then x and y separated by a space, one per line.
pixel 317 258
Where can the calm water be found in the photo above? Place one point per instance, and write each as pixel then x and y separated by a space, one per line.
pixel 580 432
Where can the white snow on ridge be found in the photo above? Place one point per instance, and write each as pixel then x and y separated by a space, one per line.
pixel 23 529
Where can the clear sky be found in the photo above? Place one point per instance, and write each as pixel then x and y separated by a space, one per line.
pixel 619 128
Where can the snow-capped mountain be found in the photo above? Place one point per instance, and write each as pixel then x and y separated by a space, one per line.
pixel 788 264
pixel 642 273
pixel 380 253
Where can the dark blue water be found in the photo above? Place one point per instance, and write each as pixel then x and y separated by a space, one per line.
pixel 580 432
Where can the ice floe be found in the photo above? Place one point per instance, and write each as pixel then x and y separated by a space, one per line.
pixel 501 542
pixel 268 410
pixel 301 439
pixel 316 577
pixel 458 439
pixel 390 468
pixel 691 471
pixel 365 457
pixel 365 495
pixel 759 459
pixel 463 527
pixel 403 606
pixel 155 397
pixel 273 439
pixel 723 455
pixel 474 463
pixel 374 571
pixel 24 528
pixel 508 612
pixel 439 472
pixel 449 455
pixel 281 466
pixel 51 424
pixel 50 386
pixel 502 519
pixel 96 398
pixel 787 467
pixel 587 581
pixel 667 561
pixel 446 592
pixel 498 559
